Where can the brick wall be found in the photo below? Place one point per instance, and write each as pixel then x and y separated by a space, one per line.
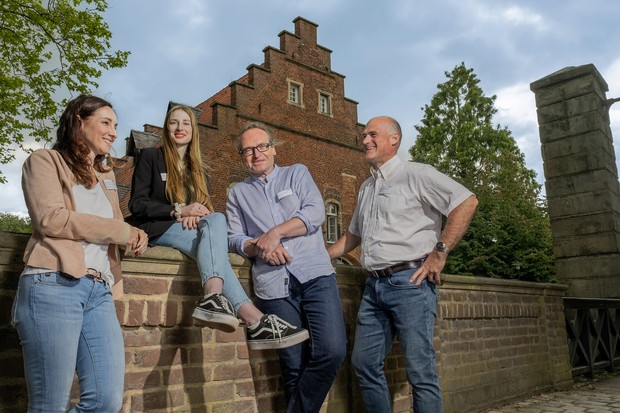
pixel 495 340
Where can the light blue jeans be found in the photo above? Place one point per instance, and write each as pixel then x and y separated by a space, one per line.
pixel 393 306
pixel 69 325
pixel 208 246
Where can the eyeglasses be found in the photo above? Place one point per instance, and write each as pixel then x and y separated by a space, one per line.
pixel 263 147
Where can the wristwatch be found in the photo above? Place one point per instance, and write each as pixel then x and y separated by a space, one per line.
pixel 442 247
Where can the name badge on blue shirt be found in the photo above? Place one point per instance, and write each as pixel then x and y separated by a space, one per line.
pixel 284 194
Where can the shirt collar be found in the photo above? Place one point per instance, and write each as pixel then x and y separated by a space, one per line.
pixel 387 169
pixel 268 178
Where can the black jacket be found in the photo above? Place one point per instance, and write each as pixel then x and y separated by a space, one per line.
pixel 149 207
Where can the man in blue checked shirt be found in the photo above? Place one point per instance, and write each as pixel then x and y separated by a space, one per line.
pixel 275 217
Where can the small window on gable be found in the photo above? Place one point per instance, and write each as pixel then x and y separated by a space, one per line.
pixel 325 104
pixel 332 222
pixel 295 93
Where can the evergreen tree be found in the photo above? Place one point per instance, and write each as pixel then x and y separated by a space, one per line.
pixel 46 47
pixel 510 234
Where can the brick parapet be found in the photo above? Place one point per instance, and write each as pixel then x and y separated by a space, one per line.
pixel 495 340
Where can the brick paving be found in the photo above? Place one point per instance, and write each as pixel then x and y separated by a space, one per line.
pixel 598 395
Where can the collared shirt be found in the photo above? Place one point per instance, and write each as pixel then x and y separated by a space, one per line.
pixel 256 205
pixel 399 212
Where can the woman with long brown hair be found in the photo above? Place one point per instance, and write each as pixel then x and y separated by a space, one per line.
pixel 64 310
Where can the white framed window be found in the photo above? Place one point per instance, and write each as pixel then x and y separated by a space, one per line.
pixel 332 212
pixel 295 93
pixel 325 103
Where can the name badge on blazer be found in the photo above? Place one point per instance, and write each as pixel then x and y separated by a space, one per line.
pixel 284 194
pixel 164 176
pixel 109 184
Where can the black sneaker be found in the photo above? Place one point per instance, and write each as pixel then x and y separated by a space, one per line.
pixel 273 333
pixel 215 311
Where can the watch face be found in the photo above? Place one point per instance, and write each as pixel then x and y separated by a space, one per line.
pixel 440 246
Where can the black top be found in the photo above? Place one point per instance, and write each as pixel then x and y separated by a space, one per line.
pixel 149 207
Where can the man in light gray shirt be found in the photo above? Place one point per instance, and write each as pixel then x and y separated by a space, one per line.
pixel 397 222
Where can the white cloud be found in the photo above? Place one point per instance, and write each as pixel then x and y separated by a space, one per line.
pixel 516 110
pixel 194 12
pixel 516 106
pixel 12 195
pixel 521 16
pixel 496 14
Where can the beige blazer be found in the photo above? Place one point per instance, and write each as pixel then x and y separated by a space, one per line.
pixel 57 229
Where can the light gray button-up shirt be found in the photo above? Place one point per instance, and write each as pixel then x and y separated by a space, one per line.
pixel 399 212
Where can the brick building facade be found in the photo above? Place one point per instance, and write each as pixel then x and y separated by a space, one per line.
pixel 295 92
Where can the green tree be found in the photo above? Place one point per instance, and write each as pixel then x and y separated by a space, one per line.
pixel 14 223
pixel 47 47
pixel 510 235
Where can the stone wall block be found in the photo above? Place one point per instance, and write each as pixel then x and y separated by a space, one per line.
pixel 572 126
pixel 581 267
pixel 594 202
pixel 568 83
pixel 586 245
pixel 593 180
pixel 585 225
pixel 579 144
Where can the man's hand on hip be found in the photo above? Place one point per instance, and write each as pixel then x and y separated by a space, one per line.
pixel 430 269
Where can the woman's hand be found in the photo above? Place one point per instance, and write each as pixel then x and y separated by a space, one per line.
pixel 194 209
pixel 138 242
pixel 190 215
pixel 189 222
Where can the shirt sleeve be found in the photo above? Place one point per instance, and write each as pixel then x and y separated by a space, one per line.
pixel 441 191
pixel 312 207
pixel 237 233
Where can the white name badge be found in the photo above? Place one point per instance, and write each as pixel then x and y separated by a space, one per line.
pixel 284 194
pixel 385 190
pixel 109 184
pixel 164 176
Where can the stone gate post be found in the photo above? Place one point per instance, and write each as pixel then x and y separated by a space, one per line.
pixel 581 180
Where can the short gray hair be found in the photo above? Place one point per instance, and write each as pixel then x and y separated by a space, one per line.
pixel 256 125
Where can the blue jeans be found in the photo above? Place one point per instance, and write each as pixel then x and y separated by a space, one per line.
pixel 69 325
pixel 208 246
pixel 309 368
pixel 392 306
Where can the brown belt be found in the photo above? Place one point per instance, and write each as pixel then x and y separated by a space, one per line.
pixel 93 273
pixel 401 266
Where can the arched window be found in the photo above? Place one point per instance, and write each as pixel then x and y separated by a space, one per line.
pixel 333 218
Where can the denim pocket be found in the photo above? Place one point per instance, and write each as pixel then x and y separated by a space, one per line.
pixel 55 278
pixel 401 280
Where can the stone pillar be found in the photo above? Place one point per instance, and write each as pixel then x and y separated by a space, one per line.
pixel 581 180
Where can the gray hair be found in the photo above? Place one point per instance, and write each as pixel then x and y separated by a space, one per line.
pixel 256 125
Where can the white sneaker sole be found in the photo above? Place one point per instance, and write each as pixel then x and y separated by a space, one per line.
pixel 276 344
pixel 227 323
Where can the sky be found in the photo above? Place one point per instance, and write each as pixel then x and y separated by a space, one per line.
pixel 393 54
